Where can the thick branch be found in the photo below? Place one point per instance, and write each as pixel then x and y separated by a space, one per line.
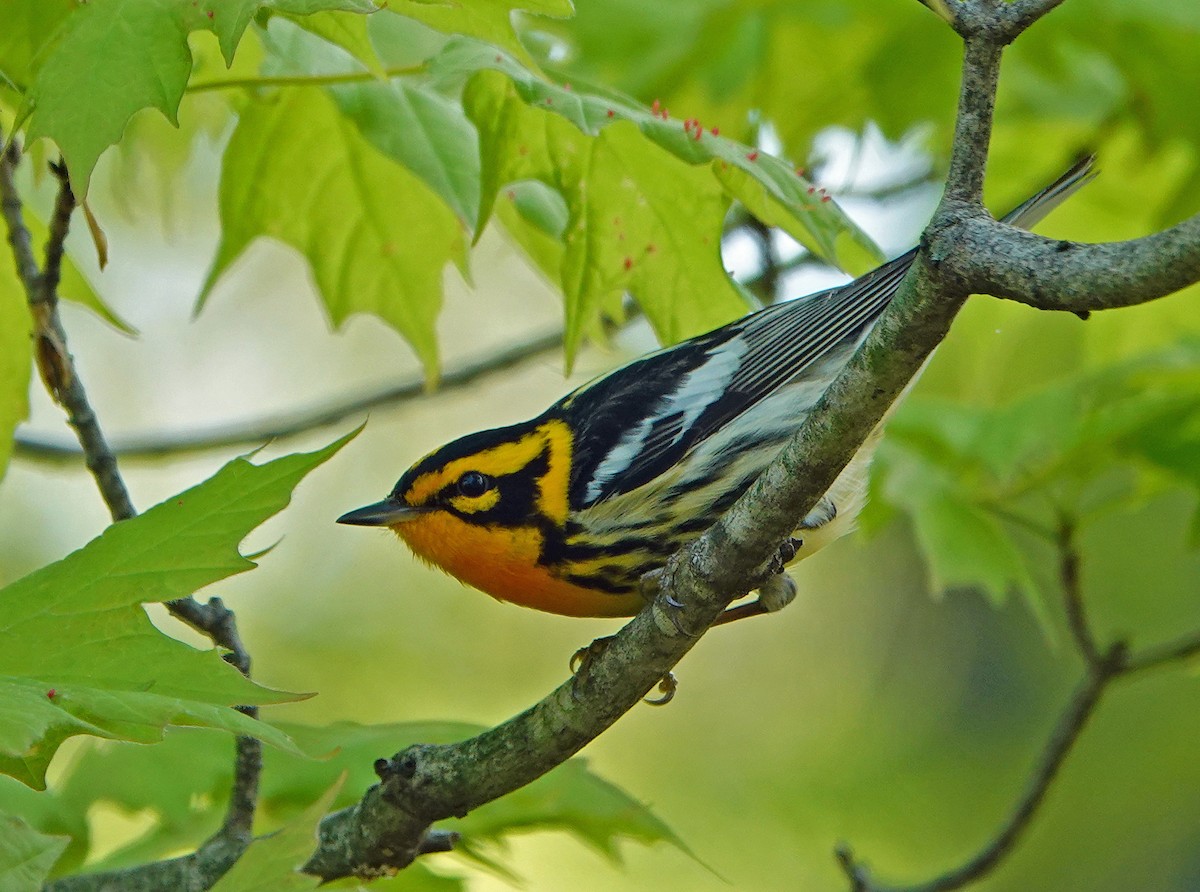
pixel 1020 14
pixel 1058 275
pixel 973 125
pixel 1000 22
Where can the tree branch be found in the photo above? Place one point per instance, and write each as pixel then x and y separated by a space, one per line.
pixel 973 126
pixel 1068 575
pixel 1102 666
pixel 1020 14
pixel 54 362
pixel 189 873
pixel 1060 275
pixel 57 368
pixel 290 424
pixel 425 783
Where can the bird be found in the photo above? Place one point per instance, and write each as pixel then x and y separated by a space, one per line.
pixel 575 511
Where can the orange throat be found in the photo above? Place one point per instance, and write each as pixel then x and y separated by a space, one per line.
pixel 503 562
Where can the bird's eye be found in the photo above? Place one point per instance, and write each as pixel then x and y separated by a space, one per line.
pixel 473 484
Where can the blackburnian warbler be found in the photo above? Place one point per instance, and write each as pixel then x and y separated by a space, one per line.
pixel 569 511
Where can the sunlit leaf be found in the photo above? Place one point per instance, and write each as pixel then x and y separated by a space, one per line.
pixel 346 31
pixel 414 126
pixel 638 220
pixel 770 186
pixel 488 20
pixel 147 63
pixel 377 240
pixel 782 198
pixel 30 27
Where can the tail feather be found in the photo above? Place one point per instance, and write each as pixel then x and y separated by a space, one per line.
pixel 1034 209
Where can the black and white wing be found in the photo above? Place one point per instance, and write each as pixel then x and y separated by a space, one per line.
pixel 634 424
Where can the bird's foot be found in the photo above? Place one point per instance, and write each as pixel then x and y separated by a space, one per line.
pixel 582 658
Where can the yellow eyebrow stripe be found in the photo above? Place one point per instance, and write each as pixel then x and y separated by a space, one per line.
pixel 551 437
pixel 553 485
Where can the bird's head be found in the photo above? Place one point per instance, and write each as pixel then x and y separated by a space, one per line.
pixel 513 477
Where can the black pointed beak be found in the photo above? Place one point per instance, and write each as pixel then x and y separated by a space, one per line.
pixel 382 514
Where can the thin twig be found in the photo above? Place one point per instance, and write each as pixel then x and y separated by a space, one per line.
pixel 60 225
pixel 57 368
pixel 46 448
pixel 766 282
pixel 1181 649
pixel 1102 668
pixel 218 622
pixel 301 421
pixel 1068 574
pixel 35 446
pixel 54 361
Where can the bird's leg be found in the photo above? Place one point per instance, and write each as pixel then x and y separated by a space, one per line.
pixel 649 587
pixel 776 593
pixel 780 589
pixel 582 657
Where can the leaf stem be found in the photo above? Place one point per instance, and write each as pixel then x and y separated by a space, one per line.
pixel 322 80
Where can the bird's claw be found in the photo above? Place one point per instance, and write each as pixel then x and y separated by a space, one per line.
pixel 651 584
pixel 580 660
pixel 785 555
pixel 668 685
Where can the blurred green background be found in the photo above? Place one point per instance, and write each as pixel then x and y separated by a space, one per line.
pixel 876 710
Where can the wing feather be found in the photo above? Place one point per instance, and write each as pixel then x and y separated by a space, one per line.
pixel 722 374
pixel 634 424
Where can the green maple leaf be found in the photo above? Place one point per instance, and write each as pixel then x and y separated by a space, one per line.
pixel 79 655
pixel 113 58
pixel 376 238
